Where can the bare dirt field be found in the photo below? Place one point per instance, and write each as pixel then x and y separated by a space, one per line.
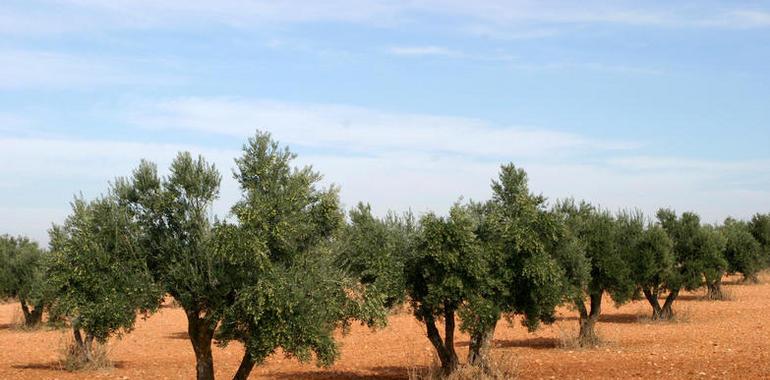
pixel 728 339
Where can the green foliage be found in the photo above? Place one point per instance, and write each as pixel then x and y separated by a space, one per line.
pixel 697 249
pixel 295 307
pixel 281 204
pixel 484 260
pixel 174 229
pixel 22 276
pixel 652 260
pixel 296 293
pixel 447 266
pixel 517 235
pixel 605 243
pixel 98 272
pixel 742 252
pixel 569 249
pixel 374 250
pixel 171 214
pixel 593 250
pixel 760 229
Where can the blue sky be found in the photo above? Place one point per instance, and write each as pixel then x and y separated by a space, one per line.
pixel 402 103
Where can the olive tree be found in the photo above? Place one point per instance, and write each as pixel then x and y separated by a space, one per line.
pixel 651 261
pixel 483 261
pixel 374 249
pixel 443 272
pixel 22 276
pixel 176 233
pixel 603 240
pixel 742 251
pixel 760 229
pixel 295 293
pixel 98 273
pixel 517 234
pixel 697 254
pixel 269 281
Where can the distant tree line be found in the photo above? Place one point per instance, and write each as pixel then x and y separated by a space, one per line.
pixel 290 266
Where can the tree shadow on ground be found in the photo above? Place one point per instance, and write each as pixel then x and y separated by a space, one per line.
pixel 6 326
pixel 541 343
pixel 178 335
pixel 691 297
pixel 57 366
pixel 375 373
pixel 609 318
pixel 620 318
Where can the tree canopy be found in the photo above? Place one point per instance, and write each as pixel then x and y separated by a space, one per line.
pixel 481 261
pixel 742 251
pixel 594 257
pixel 294 292
pixel 22 276
pixel 698 252
pixel 98 273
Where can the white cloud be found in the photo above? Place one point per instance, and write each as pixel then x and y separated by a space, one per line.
pixel 39 176
pixel 12 122
pixel 740 19
pixel 395 161
pixel 427 161
pixel 518 18
pixel 50 171
pixel 423 50
pixel 361 130
pixel 42 69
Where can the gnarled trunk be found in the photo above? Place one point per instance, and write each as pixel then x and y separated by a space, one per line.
pixel 587 336
pixel 85 346
pixel 666 312
pixel 714 290
pixel 247 364
pixel 32 317
pixel 652 298
pixel 444 347
pixel 480 344
pixel 201 332
pixel 750 278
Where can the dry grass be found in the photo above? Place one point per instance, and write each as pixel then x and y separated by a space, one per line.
pixel 17 320
pixel 682 314
pixel 502 366
pixel 75 359
pixel 18 323
pixel 727 295
pixel 569 337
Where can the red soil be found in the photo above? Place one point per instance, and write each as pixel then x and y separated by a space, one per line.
pixel 729 339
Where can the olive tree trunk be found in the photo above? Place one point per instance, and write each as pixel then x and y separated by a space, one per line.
pixel 666 312
pixel 480 345
pixel 32 317
pixel 652 297
pixel 247 364
pixel 588 318
pixel 444 347
pixel 750 278
pixel 85 346
pixel 201 333
pixel 714 289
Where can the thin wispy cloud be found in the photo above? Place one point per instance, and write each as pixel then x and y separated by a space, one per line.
pixel 497 15
pixel 402 103
pixel 44 69
pixel 10 122
pixel 361 130
pixel 424 51
pixel 389 179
